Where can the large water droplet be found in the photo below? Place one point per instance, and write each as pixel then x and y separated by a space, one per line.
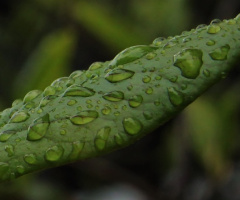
pixel 38 128
pixel 131 125
pixel 131 54
pixel 114 96
pixel 101 138
pixel 16 102
pixel 189 61
pixel 117 75
pixel 84 117
pixel 30 159
pixel 135 101
pixel 96 65
pixel 175 97
pixel 77 90
pixel 5 135
pixel 50 90
pixel 54 153
pixel 31 95
pixel 220 53
pixel 19 117
pixel 212 29
pixel 77 148
pixel 9 149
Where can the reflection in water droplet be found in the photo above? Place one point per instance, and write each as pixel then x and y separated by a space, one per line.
pixel 220 53
pixel 19 117
pixel 38 128
pixel 114 96
pixel 77 148
pixel 131 125
pixel 117 75
pixel 135 101
pixel 31 95
pixel 76 90
pixel 10 150
pixel 30 159
pixel 189 61
pixel 175 97
pixel 131 54
pixel 84 117
pixel 101 138
pixel 54 153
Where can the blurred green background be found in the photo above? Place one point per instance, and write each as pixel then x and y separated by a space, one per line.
pixel 195 156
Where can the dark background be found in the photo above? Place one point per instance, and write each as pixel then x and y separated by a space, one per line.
pixel 195 156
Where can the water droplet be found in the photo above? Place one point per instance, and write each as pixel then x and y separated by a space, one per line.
pixel 132 126
pixel 16 102
pixel 135 101
pixel 84 117
pixel 130 87
pixel 118 139
pixel 38 128
pixel 76 90
pixel 201 26
pixel 5 135
pixel 31 95
pixel 131 54
pixel 114 96
pixel 46 100
pixel 117 75
pixel 63 132
pixel 212 29
pixel 76 74
pixel 210 43
pixel 175 97
pixel 146 79
pixel 77 148
pixel 206 72
pixel 30 159
pixel 150 56
pixel 101 138
pixel 54 153
pixel 215 21
pixel 9 149
pixel 106 110
pixel 189 61
pixel 158 78
pixel 149 90
pixel 147 115
pixel 231 22
pixel 79 108
pixel 71 102
pixel 117 113
pixel 220 53
pixel 19 117
pixel 4 168
pixel 96 65
pixel 173 79
pixel 158 41
pixel 20 169
pixel 50 90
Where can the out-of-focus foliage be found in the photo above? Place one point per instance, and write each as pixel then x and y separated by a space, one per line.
pixel 193 157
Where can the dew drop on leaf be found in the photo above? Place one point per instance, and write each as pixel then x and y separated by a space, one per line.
pixel 135 101
pixel 54 153
pixel 19 117
pixel 84 117
pixel 30 159
pixel 220 53
pixel 118 139
pixel 106 110
pixel 101 138
pixel 147 115
pixel 117 75
pixel 189 61
pixel 175 97
pixel 31 95
pixel 77 90
pixel 212 29
pixel 77 148
pixel 96 65
pixel 114 96
pixel 146 79
pixel 5 135
pixel 131 125
pixel 50 90
pixel 9 149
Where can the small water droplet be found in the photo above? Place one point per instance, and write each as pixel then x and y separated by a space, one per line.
pixel 132 126
pixel 117 75
pixel 149 90
pixel 54 153
pixel 38 128
pixel 114 96
pixel 101 138
pixel 30 159
pixel 158 41
pixel 212 29
pixel 158 78
pixel 150 56
pixel 201 26
pixel 135 101
pixel 77 90
pixel 5 135
pixel 20 169
pixel 189 61
pixel 63 132
pixel 96 65
pixel 76 74
pixel 118 139
pixel 131 54
pixel 16 102
pixel 117 113
pixel 147 115
pixel 220 53
pixel 71 102
pixel 31 95
pixel 50 90
pixel 206 72
pixel 146 79
pixel 46 100
pixel 19 117
pixel 231 22
pixel 106 110
pixel 84 117
pixel 173 79
pixel 77 148
pixel 175 97
pixel 10 150
pixel 130 87
pixel 215 21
